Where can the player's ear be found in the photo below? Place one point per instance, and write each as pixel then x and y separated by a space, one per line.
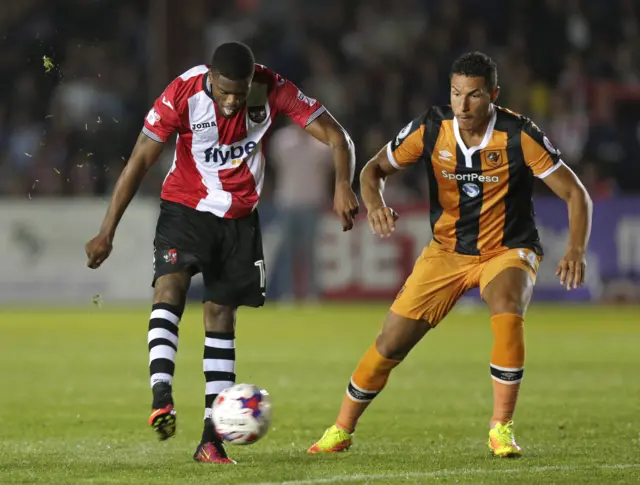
pixel 213 77
pixel 495 93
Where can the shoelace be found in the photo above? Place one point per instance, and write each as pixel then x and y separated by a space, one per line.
pixel 505 433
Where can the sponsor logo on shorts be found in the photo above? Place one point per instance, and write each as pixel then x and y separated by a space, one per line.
pixel 470 177
pixel 171 256
pixel 529 257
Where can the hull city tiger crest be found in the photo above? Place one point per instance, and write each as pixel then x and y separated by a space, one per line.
pixel 494 159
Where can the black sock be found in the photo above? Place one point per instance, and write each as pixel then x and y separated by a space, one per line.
pixel 162 395
pixel 209 433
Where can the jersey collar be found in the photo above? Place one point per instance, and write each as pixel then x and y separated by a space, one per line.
pixel 468 152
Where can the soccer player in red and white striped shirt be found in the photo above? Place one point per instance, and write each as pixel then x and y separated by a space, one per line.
pixel 208 222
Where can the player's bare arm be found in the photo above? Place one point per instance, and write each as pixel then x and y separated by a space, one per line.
pixel 566 185
pixel 145 153
pixel 382 219
pixel 327 130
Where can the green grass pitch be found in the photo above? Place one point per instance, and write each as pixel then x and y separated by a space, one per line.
pixel 75 399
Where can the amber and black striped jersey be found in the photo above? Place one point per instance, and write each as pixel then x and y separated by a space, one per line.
pixel 480 197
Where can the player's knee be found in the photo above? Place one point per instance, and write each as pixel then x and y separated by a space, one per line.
pixel 219 318
pixel 399 335
pixel 172 289
pixel 390 349
pixel 510 302
pixel 509 292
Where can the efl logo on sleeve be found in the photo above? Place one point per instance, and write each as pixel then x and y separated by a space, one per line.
pixel 403 134
pixel 306 99
pixel 153 117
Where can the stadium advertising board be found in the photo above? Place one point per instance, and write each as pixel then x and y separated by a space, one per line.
pixel 362 266
pixel 42 242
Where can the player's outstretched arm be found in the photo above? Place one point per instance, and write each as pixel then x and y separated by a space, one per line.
pixel 327 130
pixel 382 219
pixel 566 185
pixel 145 153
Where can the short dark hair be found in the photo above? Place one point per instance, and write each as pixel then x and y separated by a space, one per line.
pixel 233 60
pixel 476 64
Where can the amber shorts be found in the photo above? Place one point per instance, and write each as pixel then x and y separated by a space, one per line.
pixel 439 278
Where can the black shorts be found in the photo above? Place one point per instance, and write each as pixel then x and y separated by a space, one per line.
pixel 228 253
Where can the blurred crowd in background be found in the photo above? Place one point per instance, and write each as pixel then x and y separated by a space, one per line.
pixel 571 65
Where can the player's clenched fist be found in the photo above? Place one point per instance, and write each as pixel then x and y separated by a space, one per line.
pixel 98 249
pixel 383 221
pixel 345 205
pixel 572 269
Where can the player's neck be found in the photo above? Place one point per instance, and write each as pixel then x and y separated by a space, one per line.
pixel 474 137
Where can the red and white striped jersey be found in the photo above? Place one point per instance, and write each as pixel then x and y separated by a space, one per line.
pixel 218 165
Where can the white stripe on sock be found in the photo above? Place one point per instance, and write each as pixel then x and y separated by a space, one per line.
pixel 219 343
pixel 155 333
pixel 506 369
pixel 216 387
pixel 162 352
pixel 165 315
pixel 161 377
pixel 220 365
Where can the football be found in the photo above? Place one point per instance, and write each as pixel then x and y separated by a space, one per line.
pixel 242 414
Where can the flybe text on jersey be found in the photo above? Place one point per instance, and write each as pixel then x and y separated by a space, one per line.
pixel 226 153
pixel 470 177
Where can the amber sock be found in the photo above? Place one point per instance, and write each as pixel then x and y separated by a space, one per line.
pixel 507 364
pixel 367 381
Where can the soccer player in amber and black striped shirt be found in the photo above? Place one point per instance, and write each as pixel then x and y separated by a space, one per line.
pixel 481 161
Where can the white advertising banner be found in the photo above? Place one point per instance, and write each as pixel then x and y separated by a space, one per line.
pixel 42 243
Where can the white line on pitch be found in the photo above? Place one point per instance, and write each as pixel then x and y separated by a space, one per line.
pixel 446 473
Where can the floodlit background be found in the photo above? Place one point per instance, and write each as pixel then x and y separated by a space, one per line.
pixel 73 348
pixel 572 66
